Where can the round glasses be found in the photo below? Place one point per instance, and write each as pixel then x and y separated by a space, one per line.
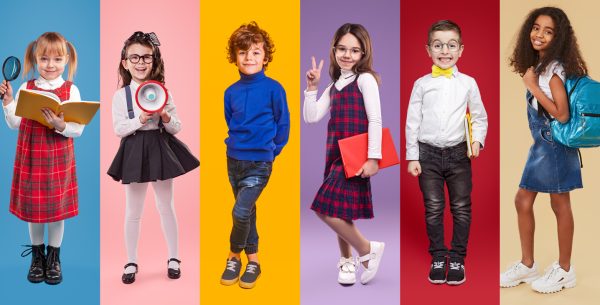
pixel 438 46
pixel 135 58
pixel 341 50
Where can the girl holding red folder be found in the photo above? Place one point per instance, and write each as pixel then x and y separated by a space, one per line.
pixel 353 103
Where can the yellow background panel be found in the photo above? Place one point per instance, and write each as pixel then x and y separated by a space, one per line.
pixel 278 217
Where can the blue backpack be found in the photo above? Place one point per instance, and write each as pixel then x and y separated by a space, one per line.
pixel 583 128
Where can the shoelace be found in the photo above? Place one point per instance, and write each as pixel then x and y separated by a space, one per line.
pixel 455 266
pixel 39 255
pixel 251 268
pixel 438 265
pixel 231 265
pixel 550 272
pixel 347 265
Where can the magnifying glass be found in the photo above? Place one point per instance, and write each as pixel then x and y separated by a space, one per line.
pixel 10 70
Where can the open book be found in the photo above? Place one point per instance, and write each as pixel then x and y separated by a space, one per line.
pixel 31 102
pixel 469 135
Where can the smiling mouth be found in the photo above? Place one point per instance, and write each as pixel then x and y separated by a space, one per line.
pixel 537 42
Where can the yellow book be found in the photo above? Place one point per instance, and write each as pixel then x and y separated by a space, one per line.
pixel 31 102
pixel 469 134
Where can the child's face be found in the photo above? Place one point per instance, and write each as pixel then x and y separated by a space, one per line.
pixel 348 52
pixel 444 48
pixel 251 61
pixel 51 65
pixel 138 61
pixel 542 33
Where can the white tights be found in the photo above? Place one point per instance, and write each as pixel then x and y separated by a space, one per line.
pixel 135 195
pixel 55 233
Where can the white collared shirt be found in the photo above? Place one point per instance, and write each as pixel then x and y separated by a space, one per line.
pixel 437 109
pixel 314 110
pixel 544 78
pixel 72 129
pixel 125 126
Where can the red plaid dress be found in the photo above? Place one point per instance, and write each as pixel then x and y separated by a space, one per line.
pixel 44 187
pixel 339 197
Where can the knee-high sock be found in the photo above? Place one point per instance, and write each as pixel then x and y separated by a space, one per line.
pixel 163 195
pixel 36 233
pixel 135 194
pixel 56 231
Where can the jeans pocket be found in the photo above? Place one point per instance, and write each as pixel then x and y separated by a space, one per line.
pixel 546 135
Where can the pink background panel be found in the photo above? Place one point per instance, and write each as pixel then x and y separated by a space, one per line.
pixel 177 27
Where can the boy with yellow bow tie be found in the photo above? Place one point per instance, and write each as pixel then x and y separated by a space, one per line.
pixel 436 148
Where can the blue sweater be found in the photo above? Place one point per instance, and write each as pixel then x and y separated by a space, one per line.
pixel 258 118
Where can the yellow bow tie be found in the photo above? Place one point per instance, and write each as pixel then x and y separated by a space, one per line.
pixel 437 71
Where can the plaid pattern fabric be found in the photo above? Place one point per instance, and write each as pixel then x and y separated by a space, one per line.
pixel 339 197
pixel 44 187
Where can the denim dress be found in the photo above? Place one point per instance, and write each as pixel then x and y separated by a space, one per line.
pixel 551 167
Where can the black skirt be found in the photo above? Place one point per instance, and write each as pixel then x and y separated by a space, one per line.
pixel 151 155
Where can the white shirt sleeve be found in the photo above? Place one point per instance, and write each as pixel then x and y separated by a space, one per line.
pixel 11 119
pixel 174 125
pixel 479 118
pixel 122 125
pixel 72 129
pixel 370 90
pixel 314 110
pixel 414 116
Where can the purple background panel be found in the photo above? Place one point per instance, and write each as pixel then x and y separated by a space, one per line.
pixel 319 248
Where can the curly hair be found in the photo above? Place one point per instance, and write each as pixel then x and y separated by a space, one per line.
pixel 563 47
pixel 158 66
pixel 365 64
pixel 244 37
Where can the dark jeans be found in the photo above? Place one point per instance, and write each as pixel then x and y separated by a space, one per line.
pixel 247 179
pixel 452 166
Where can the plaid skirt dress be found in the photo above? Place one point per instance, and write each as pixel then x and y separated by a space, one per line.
pixel 44 186
pixel 339 197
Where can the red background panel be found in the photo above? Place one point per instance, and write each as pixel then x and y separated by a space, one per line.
pixel 480 25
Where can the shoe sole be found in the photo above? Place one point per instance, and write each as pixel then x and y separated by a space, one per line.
pixel 229 282
pixel 570 284
pixel 455 283
pixel 35 281
pixel 174 276
pixel 346 283
pixel 379 254
pixel 53 282
pixel 519 282
pixel 437 282
pixel 247 285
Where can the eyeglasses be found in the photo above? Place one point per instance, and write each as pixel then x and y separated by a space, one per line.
pixel 135 58
pixel 438 46
pixel 341 50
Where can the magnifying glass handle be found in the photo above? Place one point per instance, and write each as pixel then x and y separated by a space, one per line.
pixel 2 95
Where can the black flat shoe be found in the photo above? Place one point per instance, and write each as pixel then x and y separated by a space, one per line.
pixel 174 273
pixel 37 269
pixel 129 278
pixel 53 269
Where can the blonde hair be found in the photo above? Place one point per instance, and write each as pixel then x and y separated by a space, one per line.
pixel 49 43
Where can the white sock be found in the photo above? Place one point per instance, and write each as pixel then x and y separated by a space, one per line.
pixel 163 195
pixel 36 233
pixel 56 230
pixel 135 194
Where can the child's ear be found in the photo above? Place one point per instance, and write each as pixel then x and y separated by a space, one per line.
pixel 462 48
pixel 124 63
pixel 428 50
pixel 66 59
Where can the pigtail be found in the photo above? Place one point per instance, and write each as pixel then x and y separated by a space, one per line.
pixel 72 60
pixel 29 60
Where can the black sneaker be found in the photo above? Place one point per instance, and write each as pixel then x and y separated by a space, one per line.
pixel 456 272
pixel 37 269
pixel 252 273
pixel 437 273
pixel 232 272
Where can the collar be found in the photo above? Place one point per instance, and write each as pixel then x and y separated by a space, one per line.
pixel 346 73
pixel 49 84
pixel 133 85
pixel 454 68
pixel 252 77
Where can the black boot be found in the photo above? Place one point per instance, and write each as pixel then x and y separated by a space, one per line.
pixel 53 270
pixel 36 272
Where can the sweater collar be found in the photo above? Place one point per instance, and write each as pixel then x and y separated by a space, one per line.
pixel 252 78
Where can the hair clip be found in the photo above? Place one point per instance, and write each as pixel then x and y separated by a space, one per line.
pixel 153 38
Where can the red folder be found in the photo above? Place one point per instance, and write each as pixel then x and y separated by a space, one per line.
pixel 354 152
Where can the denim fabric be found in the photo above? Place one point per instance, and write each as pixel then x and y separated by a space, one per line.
pixel 551 167
pixel 448 165
pixel 247 179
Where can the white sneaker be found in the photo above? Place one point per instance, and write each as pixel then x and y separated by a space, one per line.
pixel 347 274
pixel 374 258
pixel 555 279
pixel 517 274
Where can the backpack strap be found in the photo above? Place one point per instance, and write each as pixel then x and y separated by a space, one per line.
pixel 129 102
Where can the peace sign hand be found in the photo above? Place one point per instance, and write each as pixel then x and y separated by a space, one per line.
pixel 313 76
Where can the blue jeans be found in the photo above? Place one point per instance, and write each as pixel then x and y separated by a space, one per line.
pixel 449 165
pixel 247 179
